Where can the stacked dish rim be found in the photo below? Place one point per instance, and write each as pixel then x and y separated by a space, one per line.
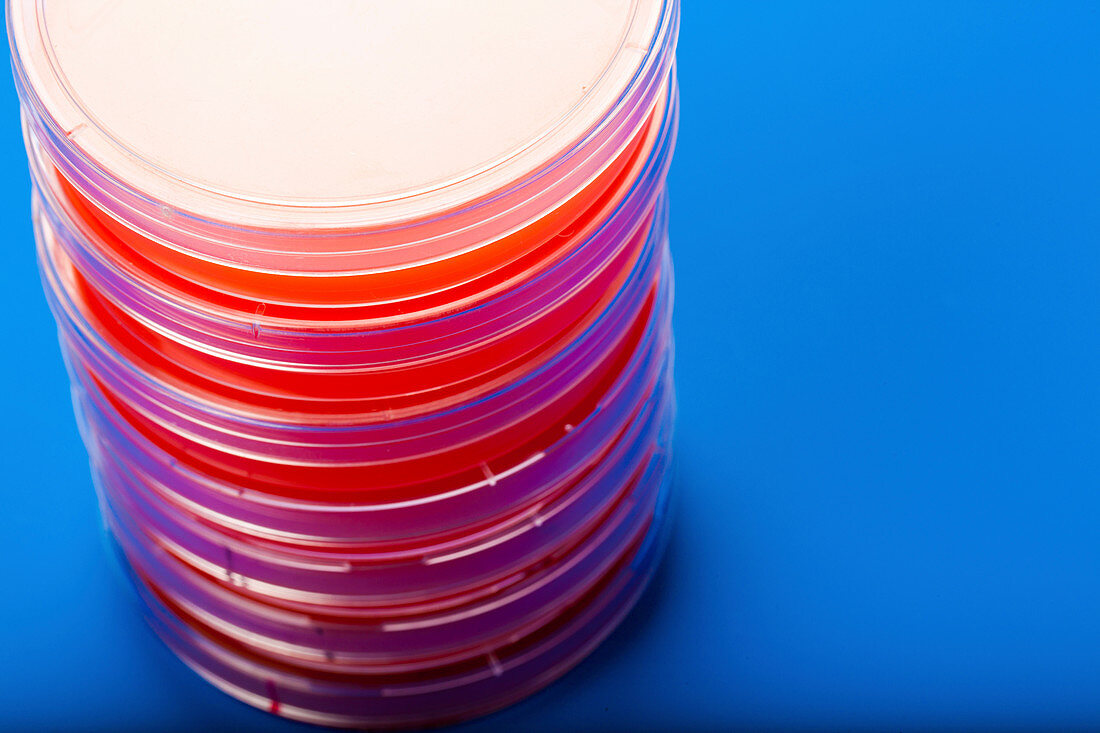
pixel 384 462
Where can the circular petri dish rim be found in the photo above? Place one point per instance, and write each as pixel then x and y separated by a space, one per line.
pixel 647 183
pixel 136 183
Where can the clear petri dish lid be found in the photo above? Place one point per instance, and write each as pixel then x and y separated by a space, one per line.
pixel 243 131
pixel 451 693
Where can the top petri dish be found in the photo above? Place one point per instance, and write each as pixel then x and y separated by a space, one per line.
pixel 335 113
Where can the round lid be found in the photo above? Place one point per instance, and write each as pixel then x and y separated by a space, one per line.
pixel 328 103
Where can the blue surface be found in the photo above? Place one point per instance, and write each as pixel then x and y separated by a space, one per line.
pixel 888 249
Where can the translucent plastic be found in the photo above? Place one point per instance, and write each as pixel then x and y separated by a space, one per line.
pixel 370 343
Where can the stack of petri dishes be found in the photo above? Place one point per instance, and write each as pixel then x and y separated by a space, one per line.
pixel 366 309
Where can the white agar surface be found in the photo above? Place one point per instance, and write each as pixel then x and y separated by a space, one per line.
pixel 338 100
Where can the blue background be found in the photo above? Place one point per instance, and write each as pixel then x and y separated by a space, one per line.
pixel 887 235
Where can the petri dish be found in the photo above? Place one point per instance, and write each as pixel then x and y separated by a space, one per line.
pixel 366 309
pixel 241 154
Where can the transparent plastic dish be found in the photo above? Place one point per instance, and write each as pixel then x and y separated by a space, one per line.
pixel 291 337
pixel 464 508
pixel 370 345
pixel 413 442
pixel 187 203
pixel 445 695
pixel 399 640
pixel 399 573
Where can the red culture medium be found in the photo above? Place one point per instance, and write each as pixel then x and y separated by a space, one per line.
pixel 386 458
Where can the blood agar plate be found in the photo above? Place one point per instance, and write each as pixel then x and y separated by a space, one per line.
pixel 366 309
